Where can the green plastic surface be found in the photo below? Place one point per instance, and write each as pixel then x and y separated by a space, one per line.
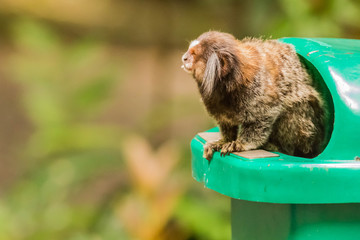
pixel 253 220
pixel 331 177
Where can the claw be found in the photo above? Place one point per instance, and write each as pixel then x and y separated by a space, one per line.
pixel 224 148
pixel 208 152
pixel 230 147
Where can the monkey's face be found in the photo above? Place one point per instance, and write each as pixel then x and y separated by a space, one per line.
pixel 193 61
pixel 211 58
pixel 202 61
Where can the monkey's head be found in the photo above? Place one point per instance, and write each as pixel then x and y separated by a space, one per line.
pixel 212 59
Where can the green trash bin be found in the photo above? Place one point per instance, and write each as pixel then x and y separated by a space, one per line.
pixel 277 196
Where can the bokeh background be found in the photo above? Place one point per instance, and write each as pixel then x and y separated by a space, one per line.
pixel 96 116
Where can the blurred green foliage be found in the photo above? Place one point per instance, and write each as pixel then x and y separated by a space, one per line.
pixel 111 114
pixel 65 85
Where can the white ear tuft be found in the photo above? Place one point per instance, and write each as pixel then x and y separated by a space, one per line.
pixel 211 74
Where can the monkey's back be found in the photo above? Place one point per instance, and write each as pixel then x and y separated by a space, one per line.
pixel 283 86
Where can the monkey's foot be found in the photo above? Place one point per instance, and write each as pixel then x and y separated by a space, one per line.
pixel 210 147
pixel 234 146
pixel 208 152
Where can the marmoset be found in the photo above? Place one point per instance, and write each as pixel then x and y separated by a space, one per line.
pixel 259 93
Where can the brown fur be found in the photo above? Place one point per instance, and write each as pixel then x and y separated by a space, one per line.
pixel 259 93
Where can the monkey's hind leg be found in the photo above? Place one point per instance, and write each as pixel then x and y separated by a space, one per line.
pixel 299 131
pixel 271 147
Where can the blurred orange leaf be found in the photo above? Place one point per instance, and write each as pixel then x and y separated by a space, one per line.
pixel 149 169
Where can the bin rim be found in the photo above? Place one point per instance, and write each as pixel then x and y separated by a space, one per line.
pixel 331 177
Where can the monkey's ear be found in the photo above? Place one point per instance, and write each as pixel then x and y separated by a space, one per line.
pixel 212 74
pixel 228 62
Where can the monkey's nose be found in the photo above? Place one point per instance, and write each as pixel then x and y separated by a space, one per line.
pixel 184 58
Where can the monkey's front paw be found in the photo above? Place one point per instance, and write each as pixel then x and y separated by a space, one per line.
pixel 234 146
pixel 209 148
pixel 208 152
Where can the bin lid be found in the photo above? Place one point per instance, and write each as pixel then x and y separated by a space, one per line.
pixel 331 177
